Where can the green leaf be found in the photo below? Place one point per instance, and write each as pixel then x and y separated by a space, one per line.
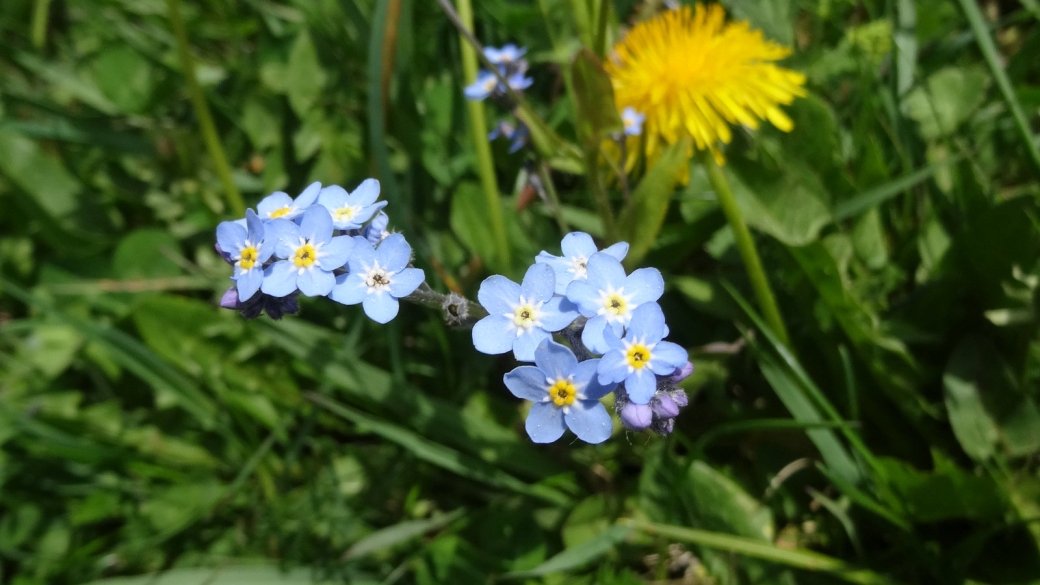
pixel 146 253
pixel 789 203
pixel 641 219
pixel 594 96
pixel 718 503
pixel 224 575
pixel 877 195
pixel 947 493
pixel 304 77
pixel 868 240
pixel 125 77
pixel 399 533
pixel 469 219
pixel 578 556
pixel 946 100
pixel 43 177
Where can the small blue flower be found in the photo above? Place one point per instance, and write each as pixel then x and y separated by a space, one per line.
pixel 246 250
pixel 633 121
pixel 351 211
pixel 483 87
pixel 608 297
pixel 577 247
pixel 518 82
pixel 278 205
pixel 641 356
pixel 521 316
pixel 375 231
pixel 565 394
pixel 309 253
pixel 517 135
pixel 507 55
pixel 378 277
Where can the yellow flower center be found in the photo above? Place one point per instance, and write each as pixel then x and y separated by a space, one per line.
pixel 638 356
pixel 280 212
pixel 345 213
pixel 248 259
pixel 525 316
pixel 305 256
pixel 615 304
pixel 563 393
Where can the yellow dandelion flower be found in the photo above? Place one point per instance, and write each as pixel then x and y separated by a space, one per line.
pixel 693 74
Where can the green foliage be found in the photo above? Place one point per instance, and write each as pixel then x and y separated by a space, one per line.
pixel 143 430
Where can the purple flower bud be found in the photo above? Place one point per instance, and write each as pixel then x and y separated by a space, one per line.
pixel 680 398
pixel 230 298
pixel 664 407
pixel 663 426
pixel 636 416
pixel 227 257
pixel 682 373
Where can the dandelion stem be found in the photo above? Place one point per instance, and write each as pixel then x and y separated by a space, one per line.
pixel 478 133
pixel 746 246
pixel 198 101
pixel 554 198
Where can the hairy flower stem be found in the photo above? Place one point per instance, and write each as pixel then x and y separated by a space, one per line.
pixel 458 310
pixel 746 246
pixel 198 101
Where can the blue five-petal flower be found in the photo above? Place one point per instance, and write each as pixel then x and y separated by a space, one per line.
pixel 641 356
pixel 507 55
pixel 279 205
pixel 565 394
pixel 608 297
pixel 633 121
pixel 577 247
pixel 309 255
pixel 350 211
pixel 520 316
pixel 246 248
pixel 482 87
pixel 378 277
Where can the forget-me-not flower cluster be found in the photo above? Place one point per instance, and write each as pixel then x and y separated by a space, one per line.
pixel 510 64
pixel 317 245
pixel 586 296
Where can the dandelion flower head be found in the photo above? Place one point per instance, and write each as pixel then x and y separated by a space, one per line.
pixel 693 74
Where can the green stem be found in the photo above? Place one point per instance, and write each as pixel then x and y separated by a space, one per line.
pixel 599 194
pixel 554 198
pixel 198 101
pixel 602 18
pixel 41 14
pixel 746 247
pixel 478 133
pixel 989 52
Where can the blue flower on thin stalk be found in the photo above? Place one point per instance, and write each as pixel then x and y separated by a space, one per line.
pixel 482 87
pixel 608 297
pixel 577 247
pixel 516 135
pixel 245 249
pixel 633 121
pixel 507 55
pixel 641 356
pixel 309 255
pixel 565 393
pixel 520 316
pixel 279 205
pixel 378 277
pixel 351 210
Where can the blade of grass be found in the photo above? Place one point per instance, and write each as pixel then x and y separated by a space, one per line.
pixel 873 197
pixel 761 424
pixel 992 57
pixel 402 532
pixel 577 556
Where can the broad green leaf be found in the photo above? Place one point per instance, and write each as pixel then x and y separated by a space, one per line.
pixel 946 99
pixel 304 77
pixel 597 115
pixel 868 240
pixel 587 520
pixel 43 177
pixel 790 204
pixel 946 493
pixel 718 503
pixel 578 556
pixel 125 77
pixel 640 221
pixel 399 533
pixel 146 253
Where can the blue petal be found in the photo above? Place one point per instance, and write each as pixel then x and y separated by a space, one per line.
pixel 283 235
pixel 493 335
pixel 405 282
pixel 308 197
pixel 394 253
pixel 366 213
pixel 498 294
pixel 641 386
pixel 666 357
pixel 363 256
pixel 539 283
pixel 589 420
pixel 316 225
pixel 577 244
pixel 366 193
pixel 613 368
pixel 525 345
pixel 249 283
pixel 557 314
pixel 350 289
pixel 527 383
pixel 381 308
pixel 315 282
pixel 556 360
pixel 264 252
pixel 588 375
pixel 272 202
pixel 594 336
pixel 646 285
pixel 255 231
pixel 560 269
pixel 604 270
pixel 231 236
pixel 618 250
pixel 545 423
pixel 332 197
pixel 279 279
pixel 585 296
pixel 647 324
pixel 335 253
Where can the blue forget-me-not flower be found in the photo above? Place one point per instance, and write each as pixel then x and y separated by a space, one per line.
pixel 520 316
pixel 247 251
pixel 517 135
pixel 641 356
pixel 482 87
pixel 351 210
pixel 378 277
pixel 508 54
pixel 309 254
pixel 565 393
pixel 608 297
pixel 279 205
pixel 633 121
pixel 577 247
